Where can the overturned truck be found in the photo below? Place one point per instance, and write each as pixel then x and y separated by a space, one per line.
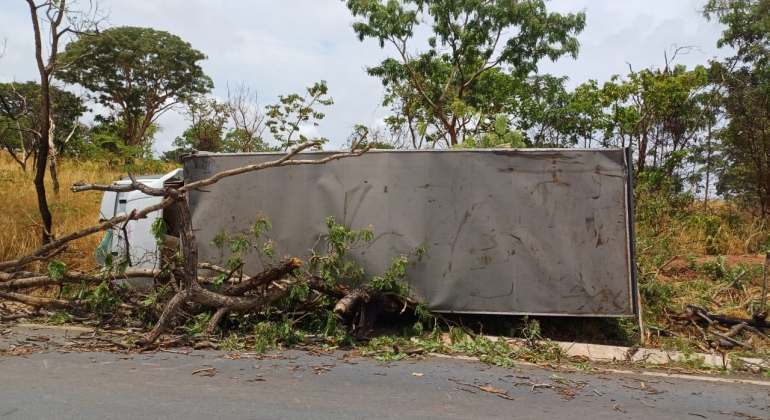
pixel 535 232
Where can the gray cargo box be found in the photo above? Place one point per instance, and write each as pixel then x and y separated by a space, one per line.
pixel 509 231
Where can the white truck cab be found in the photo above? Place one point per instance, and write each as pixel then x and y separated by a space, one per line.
pixel 136 237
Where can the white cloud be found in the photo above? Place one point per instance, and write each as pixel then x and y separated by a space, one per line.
pixel 282 47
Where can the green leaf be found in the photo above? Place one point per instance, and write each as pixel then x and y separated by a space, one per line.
pixel 56 270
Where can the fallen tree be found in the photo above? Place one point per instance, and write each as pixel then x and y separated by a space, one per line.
pixel 276 282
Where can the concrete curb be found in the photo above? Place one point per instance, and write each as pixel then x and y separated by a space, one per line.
pixel 603 353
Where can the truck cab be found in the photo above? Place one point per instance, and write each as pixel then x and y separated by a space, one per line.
pixel 135 237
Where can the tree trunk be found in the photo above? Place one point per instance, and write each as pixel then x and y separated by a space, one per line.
pixel 52 169
pixel 45 112
pixel 52 153
pixel 641 159
pixel 42 159
pixel 367 303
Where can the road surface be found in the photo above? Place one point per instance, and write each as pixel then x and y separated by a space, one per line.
pixel 308 385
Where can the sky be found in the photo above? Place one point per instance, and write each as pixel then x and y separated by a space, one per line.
pixel 281 47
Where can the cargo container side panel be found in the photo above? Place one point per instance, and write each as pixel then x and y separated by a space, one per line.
pixel 540 232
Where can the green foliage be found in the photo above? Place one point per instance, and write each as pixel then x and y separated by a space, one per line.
pixel 232 343
pixel 382 348
pixel 136 73
pixel 285 118
pixel 242 140
pixel 742 171
pixel 196 325
pixel 747 29
pixel 158 230
pixel 500 134
pixel 101 299
pixel 102 141
pixel 208 118
pixel 268 335
pixel 477 54
pixel 550 116
pixel 56 270
pixel 657 112
pixel 280 327
pixel 332 266
pixel 457 335
pixel 240 246
pixel 500 352
pixel 20 125
pixel 745 79
pixel 300 291
pixel 59 318
pixel 157 297
pixel 394 279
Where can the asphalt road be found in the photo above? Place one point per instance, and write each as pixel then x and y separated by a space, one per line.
pixel 302 385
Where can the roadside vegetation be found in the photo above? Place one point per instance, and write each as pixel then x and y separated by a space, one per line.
pixel 700 138
pixel 687 253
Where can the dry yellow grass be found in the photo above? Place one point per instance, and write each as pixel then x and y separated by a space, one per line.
pixel 19 217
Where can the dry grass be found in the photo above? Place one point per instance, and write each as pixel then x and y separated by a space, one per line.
pixel 696 282
pixel 19 221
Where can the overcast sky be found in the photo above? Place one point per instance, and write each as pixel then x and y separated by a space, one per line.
pixel 280 47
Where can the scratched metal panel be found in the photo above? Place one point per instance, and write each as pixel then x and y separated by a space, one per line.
pixel 508 231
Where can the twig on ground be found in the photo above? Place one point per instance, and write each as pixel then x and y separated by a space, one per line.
pixel 728 287
pixel 733 341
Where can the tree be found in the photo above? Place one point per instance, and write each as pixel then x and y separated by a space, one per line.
pixel 20 119
pixel 657 112
pixel 745 139
pixel 138 73
pixel 747 28
pixel 463 79
pixel 248 121
pixel 101 141
pixel 17 116
pixel 286 117
pixel 208 118
pixel 548 115
pixel 52 14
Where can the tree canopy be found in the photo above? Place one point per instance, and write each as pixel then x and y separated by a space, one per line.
pixel 138 73
pixel 20 124
pixel 455 85
pixel 745 100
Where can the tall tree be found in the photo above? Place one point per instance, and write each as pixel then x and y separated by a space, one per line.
pixel 745 140
pixel 550 116
pixel 55 19
pixel 657 112
pixel 459 82
pixel 138 73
